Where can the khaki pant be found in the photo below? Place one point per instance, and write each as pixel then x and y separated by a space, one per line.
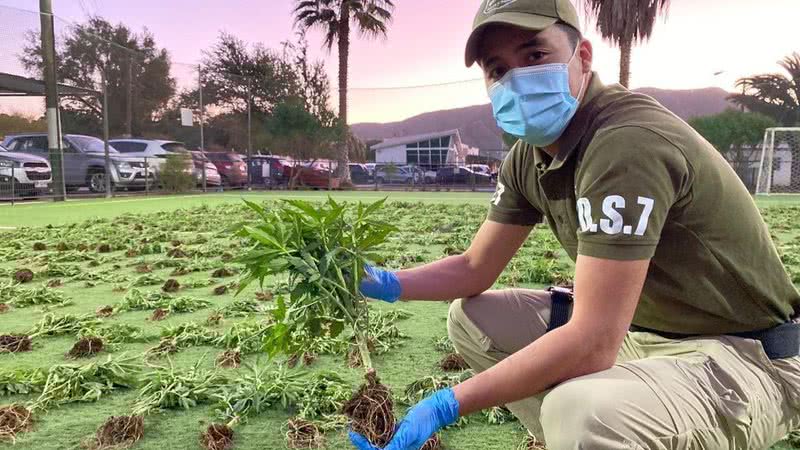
pixel 701 393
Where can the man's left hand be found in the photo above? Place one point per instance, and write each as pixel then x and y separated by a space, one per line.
pixel 422 421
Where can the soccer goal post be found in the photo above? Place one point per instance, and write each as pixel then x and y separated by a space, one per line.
pixel 779 166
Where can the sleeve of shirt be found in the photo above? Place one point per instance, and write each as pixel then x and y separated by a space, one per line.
pixel 508 204
pixel 626 186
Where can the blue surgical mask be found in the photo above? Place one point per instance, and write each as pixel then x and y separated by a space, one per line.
pixel 534 103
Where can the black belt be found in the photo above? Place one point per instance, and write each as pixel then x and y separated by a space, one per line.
pixel 779 342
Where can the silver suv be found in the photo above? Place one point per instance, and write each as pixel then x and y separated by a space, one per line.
pixel 84 161
pixel 22 174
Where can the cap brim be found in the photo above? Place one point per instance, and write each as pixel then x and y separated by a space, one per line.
pixel 525 21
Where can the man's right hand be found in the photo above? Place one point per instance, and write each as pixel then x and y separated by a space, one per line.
pixel 380 284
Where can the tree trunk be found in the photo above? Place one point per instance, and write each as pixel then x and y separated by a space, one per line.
pixel 129 105
pixel 625 63
pixel 342 171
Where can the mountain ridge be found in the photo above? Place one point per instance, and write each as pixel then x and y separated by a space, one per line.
pixel 478 128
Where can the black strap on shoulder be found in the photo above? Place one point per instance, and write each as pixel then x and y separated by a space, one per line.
pixel 561 308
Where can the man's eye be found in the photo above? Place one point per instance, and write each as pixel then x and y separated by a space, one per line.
pixel 535 57
pixel 497 73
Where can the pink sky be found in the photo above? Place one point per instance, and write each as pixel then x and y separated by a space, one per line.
pixel 426 39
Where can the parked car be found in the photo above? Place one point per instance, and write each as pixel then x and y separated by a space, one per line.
pixel 84 161
pixel 231 167
pixel 154 151
pixel 266 170
pixel 310 175
pixel 23 174
pixel 400 174
pixel 461 175
pixel 360 174
pixel 213 177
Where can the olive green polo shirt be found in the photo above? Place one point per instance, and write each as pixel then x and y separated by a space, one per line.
pixel 632 181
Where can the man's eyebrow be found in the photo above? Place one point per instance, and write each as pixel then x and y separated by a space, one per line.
pixel 535 42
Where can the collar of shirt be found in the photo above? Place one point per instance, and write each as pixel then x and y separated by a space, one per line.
pixel 572 135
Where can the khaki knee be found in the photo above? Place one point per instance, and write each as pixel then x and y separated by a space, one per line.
pixel 580 414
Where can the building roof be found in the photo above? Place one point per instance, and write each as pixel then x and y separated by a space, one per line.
pixel 392 142
pixel 17 86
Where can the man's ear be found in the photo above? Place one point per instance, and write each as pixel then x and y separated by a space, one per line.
pixel 586 54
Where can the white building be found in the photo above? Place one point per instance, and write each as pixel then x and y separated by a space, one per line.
pixel 432 149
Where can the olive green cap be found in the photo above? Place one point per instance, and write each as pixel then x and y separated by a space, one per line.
pixel 534 15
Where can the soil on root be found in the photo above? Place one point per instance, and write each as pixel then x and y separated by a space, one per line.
pixel 138 227
pixel 4 308
pixel 214 319
pixel 217 437
pixel 370 411
pixel 264 296
pixel 453 362
pixel 103 248
pixel 303 434
pixel 131 253
pixel 229 358
pixel 15 343
pixel 309 358
pixel 165 347
pixel 118 432
pixel 292 361
pixel 62 247
pixel 39 246
pixel 104 311
pixel 82 247
pixel 55 283
pixel 179 271
pixel 23 275
pixel 226 257
pixel 220 290
pixel 171 285
pixel 159 314
pixel 222 272
pixel 86 347
pixel 176 243
pixel 176 253
pixel 14 419
pixel 143 268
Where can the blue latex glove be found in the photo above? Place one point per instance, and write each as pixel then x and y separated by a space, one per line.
pixel 422 421
pixel 380 284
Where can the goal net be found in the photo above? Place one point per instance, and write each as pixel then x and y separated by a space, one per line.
pixel 779 166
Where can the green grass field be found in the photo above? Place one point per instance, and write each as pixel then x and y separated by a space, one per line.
pixel 431 224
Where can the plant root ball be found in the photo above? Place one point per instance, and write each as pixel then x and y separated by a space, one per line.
pixel 371 411
pixel 217 437
pixel 23 275
pixel 15 343
pixel 453 362
pixel 14 419
pixel 303 434
pixel 171 285
pixel 86 347
pixel 119 432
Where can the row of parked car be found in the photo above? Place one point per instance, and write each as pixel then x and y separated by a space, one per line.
pixel 480 174
pixel 136 163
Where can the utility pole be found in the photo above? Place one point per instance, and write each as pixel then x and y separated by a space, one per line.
pixel 249 134
pixel 129 106
pixel 202 139
pixel 107 176
pixel 51 98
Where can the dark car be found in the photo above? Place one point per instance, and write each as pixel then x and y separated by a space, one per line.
pixel 360 174
pixel 266 170
pixel 312 176
pixel 461 175
pixel 231 167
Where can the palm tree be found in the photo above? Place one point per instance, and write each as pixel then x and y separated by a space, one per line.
pixel 624 23
pixel 335 18
pixel 773 94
